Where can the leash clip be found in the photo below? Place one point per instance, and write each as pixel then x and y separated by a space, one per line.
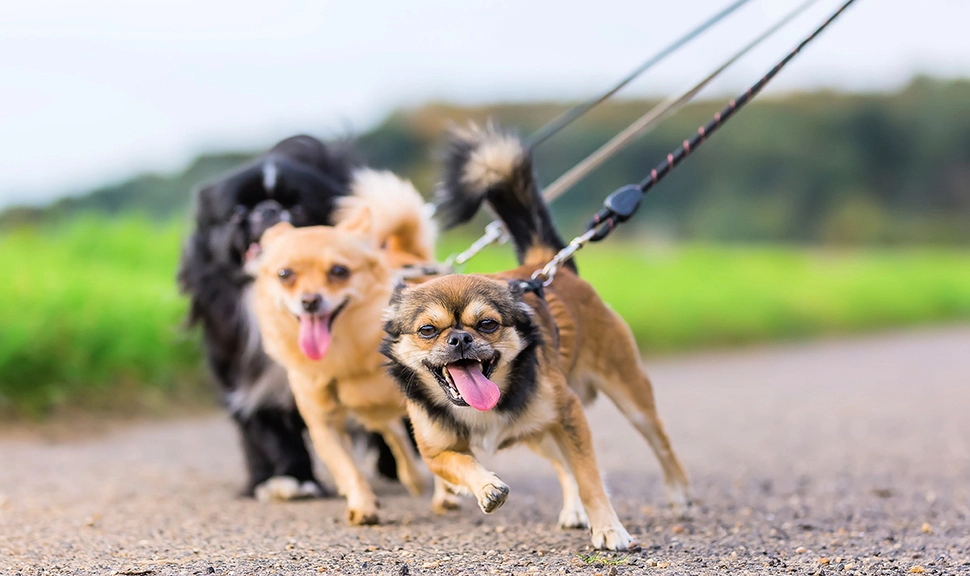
pixel 617 208
pixel 548 272
pixel 494 234
pixel 411 271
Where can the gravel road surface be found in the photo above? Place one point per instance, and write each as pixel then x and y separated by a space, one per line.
pixel 840 457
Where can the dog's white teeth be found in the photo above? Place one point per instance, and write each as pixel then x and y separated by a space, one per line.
pixel 452 387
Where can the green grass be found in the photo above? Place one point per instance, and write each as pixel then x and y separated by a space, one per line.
pixel 90 316
pixel 600 559
pixel 700 296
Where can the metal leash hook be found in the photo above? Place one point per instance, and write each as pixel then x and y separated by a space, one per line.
pixel 494 234
pixel 618 207
pixel 548 272
pixel 410 272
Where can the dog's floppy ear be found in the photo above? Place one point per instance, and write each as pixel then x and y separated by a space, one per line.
pixel 391 319
pixel 522 313
pixel 399 287
pixel 274 232
pixel 360 222
pixel 516 289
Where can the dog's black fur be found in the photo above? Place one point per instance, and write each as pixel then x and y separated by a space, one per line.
pixel 516 199
pixel 298 180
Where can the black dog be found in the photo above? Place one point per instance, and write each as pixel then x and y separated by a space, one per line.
pixel 298 181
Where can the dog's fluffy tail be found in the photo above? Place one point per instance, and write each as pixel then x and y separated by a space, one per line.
pixel 399 219
pixel 488 165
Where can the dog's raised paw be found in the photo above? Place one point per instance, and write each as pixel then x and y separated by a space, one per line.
pixel 573 519
pixel 492 496
pixel 614 538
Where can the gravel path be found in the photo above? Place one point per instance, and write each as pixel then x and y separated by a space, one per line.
pixel 849 456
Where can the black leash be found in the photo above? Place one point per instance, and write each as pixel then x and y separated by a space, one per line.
pixel 623 203
pixel 495 232
pixel 567 117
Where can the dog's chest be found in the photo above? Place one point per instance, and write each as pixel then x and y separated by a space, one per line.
pixel 490 431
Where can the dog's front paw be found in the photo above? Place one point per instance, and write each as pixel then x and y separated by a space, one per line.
pixel 362 511
pixel 492 496
pixel 283 488
pixel 573 519
pixel 613 537
pixel 362 517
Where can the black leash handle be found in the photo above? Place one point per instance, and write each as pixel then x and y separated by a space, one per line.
pixel 619 206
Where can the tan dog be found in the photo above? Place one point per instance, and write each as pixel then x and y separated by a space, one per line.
pixel 486 365
pixel 319 294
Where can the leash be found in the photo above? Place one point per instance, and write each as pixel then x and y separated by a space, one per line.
pixel 622 204
pixel 567 117
pixel 495 232
pixel 414 271
pixel 656 115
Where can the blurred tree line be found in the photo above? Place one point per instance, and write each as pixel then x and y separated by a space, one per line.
pixel 807 168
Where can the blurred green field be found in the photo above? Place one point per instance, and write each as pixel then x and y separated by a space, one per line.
pixel 90 316
pixel 699 296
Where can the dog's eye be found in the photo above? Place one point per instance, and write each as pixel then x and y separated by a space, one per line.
pixel 338 272
pixel 487 326
pixel 285 274
pixel 427 331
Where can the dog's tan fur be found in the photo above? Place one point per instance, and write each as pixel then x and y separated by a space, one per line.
pixel 349 379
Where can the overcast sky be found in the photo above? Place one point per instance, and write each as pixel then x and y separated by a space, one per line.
pixel 94 91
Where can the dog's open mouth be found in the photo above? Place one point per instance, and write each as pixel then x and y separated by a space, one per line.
pixel 315 330
pixel 466 382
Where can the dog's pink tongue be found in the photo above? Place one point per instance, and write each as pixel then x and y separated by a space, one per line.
pixel 314 336
pixel 480 392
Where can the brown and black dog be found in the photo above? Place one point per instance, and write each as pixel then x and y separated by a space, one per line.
pixel 484 364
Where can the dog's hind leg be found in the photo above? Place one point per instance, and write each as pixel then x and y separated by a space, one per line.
pixel 619 373
pixel 573 515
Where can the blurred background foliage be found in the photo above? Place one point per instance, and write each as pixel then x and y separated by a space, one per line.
pixel 820 168
pixel 809 214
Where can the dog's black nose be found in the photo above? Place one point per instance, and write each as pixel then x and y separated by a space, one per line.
pixel 311 302
pixel 459 339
